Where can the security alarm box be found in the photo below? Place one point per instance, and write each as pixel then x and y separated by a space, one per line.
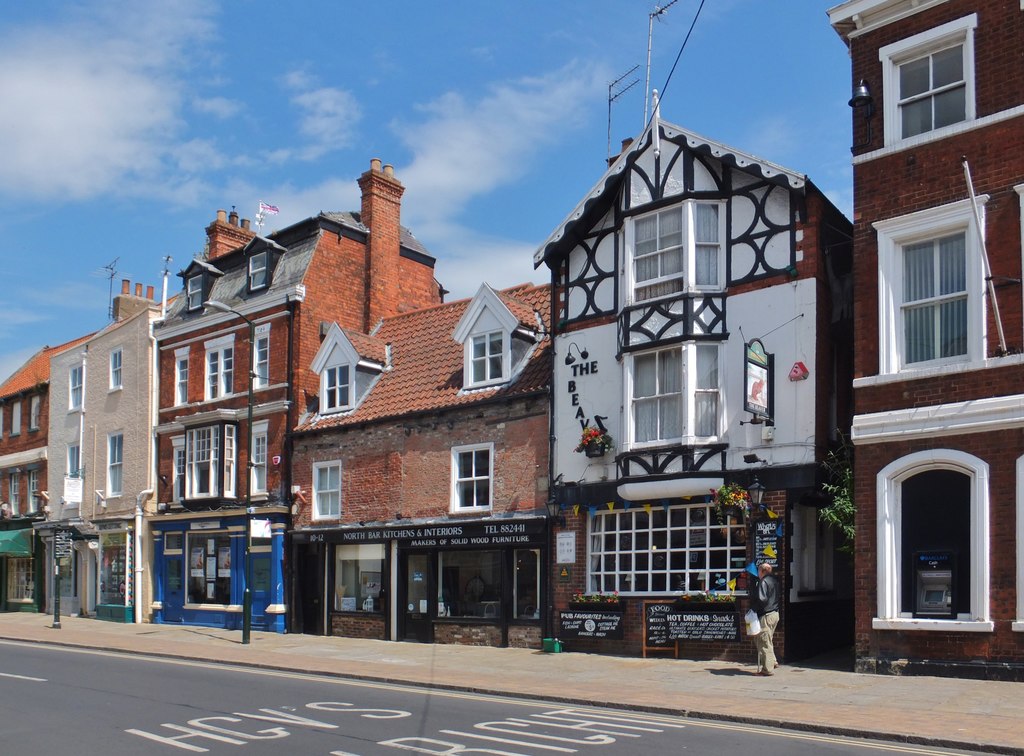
pixel 935 576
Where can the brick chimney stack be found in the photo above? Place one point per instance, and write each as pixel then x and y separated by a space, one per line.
pixel 127 304
pixel 226 233
pixel 381 213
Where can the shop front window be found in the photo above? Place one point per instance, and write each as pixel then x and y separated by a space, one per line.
pixel 209 569
pixel 20 581
pixel 470 584
pixel 681 549
pixel 113 568
pixel 527 584
pixel 358 573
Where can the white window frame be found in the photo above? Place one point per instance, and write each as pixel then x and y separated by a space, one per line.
pixel 689 251
pixel 261 357
pixel 74 461
pixel 332 399
pixel 181 376
pixel 958 32
pixel 33 489
pixel 210 459
pixel 115 465
pixel 259 458
pixel 230 457
pixel 75 388
pixel 1018 624
pixel 471 359
pixel 698 536
pixel 34 409
pixel 219 383
pixel 13 495
pixel 888 529
pixel 924 225
pixel 178 469
pixel 256 270
pixel 690 390
pixel 116 364
pixel 194 292
pixel 318 511
pixel 456 479
pixel 16 418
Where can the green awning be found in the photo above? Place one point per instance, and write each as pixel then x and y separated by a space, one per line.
pixel 16 543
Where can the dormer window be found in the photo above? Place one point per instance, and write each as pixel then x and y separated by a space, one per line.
pixel 677 250
pixel 347 373
pixel 487 363
pixel 336 389
pixel 259 271
pixel 194 292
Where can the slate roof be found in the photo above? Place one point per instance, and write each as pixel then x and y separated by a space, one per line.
pixel 426 367
pixel 37 369
pixel 352 220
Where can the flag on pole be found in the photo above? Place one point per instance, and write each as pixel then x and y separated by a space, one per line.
pixel 268 209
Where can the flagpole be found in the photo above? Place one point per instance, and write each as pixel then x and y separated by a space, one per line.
pixel 984 256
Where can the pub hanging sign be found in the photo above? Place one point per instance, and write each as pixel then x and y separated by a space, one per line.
pixel 758 383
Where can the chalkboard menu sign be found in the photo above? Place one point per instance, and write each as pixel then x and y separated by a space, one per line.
pixel 702 624
pixel 656 626
pixel 766 542
pixel 587 624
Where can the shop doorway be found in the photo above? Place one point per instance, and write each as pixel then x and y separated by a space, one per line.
pixel 310 588
pixel 174 589
pixel 416 586
pixel 260 590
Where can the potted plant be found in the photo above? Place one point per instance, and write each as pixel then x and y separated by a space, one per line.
pixel 596 601
pixel 594 442
pixel 731 500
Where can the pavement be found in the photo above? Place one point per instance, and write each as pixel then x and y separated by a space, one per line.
pixel 820 696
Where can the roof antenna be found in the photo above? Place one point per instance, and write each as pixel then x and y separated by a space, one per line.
pixel 111 269
pixel 613 96
pixel 659 10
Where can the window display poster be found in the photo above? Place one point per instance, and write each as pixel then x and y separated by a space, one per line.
pixel 224 561
pixel 565 548
pixel 369 584
pixel 196 562
pixel 211 569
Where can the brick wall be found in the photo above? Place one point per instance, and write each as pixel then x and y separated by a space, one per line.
pixel 467 635
pixel 405 466
pixel 358 626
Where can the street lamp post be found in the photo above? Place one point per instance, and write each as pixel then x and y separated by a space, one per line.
pixel 213 304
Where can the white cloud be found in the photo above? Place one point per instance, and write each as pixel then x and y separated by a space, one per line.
pixel 473 260
pixel 91 103
pixel 220 107
pixel 463 149
pixel 327 119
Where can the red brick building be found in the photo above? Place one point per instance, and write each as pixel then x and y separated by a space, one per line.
pixel 261 305
pixel 422 473
pixel 938 128
pixel 24 460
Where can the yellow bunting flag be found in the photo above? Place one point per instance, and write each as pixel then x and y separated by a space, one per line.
pixel 576 510
pixel 610 505
pixel 647 507
pixel 769 551
pixel 772 515
pixel 731 585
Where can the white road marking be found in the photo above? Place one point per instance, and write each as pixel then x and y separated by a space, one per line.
pixel 23 677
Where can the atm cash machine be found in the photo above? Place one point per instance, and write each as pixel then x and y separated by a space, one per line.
pixel 934 579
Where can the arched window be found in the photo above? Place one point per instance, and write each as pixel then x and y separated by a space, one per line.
pixel 933 501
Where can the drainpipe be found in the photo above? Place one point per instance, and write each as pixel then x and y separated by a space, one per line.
pixel 137 546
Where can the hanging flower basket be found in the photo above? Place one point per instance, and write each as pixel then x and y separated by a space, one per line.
pixel 594 442
pixel 731 500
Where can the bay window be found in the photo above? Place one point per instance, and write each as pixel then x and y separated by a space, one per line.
pixel 678 249
pixel 208 472
pixel 675 394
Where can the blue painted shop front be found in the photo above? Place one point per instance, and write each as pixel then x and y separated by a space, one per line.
pixel 199 573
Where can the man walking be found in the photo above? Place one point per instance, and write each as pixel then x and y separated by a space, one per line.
pixel 764 600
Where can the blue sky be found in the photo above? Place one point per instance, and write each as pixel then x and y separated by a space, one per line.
pixel 127 125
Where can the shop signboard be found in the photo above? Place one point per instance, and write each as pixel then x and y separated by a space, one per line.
pixel 766 541
pixel 702 624
pixel 591 624
pixel 486 533
pixel 62 543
